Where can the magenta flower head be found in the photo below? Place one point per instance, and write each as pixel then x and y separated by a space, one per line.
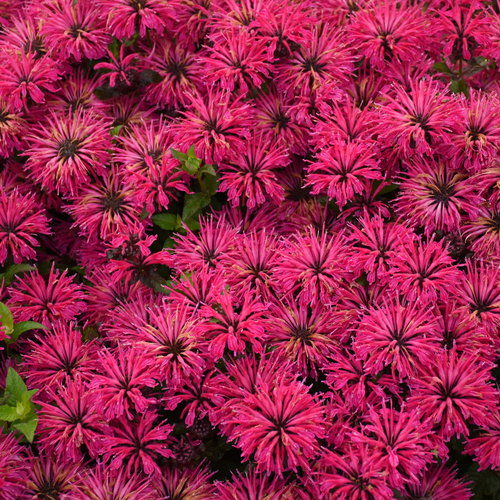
pixel 12 129
pixel 398 336
pixel 386 31
pixel 250 177
pixel 340 171
pixel 104 483
pixel 180 69
pixel 59 356
pixel 170 344
pixel 313 265
pixel 70 423
pixel 124 17
pixel 434 195
pixel 439 483
pixel 402 441
pixel 137 446
pixel 121 70
pixel 45 300
pixel 452 391
pixel 486 446
pixel 416 121
pixel 22 220
pixel 215 125
pixel 26 78
pixel 12 467
pixel 424 271
pixel 186 484
pixel 237 61
pixel 279 427
pixel 105 208
pixel 75 30
pixel 68 150
pixel 123 376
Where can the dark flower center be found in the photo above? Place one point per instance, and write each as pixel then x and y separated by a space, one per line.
pixel 138 4
pixel 313 64
pixel 494 223
pixel 177 69
pixel 442 193
pixel 69 148
pixel 112 201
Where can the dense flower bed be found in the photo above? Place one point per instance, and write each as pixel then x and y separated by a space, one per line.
pixel 249 249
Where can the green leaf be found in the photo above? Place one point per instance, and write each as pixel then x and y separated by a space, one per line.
pixel 24 326
pixel 116 130
pixel 211 184
pixel 191 165
pixel 459 86
pixel 8 413
pixel 11 271
pixel 15 385
pixel 28 427
pixel 178 155
pixel 208 169
pixel 194 204
pixel 442 67
pixel 6 318
pixel 170 222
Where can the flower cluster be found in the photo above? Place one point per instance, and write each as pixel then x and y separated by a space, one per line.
pixel 263 239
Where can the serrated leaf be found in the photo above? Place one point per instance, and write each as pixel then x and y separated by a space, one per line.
pixel 11 271
pixel 28 427
pixel 8 413
pixel 191 165
pixel 6 319
pixel 24 326
pixel 442 67
pixel 208 169
pixel 14 385
pixel 169 222
pixel 211 184
pixel 459 86
pixel 116 130
pixel 178 155
pixel 193 204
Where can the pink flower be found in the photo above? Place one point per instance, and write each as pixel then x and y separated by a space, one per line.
pixel 477 138
pixel 75 30
pixel 249 178
pixel 59 356
pixel 103 482
pixel 105 208
pixel 401 439
pixel 215 125
pixel 192 484
pixel 401 337
pixel 486 446
pixel 136 446
pixel 357 473
pixel 237 61
pixel 279 427
pixel 12 467
pixel 13 128
pixel 424 271
pixel 417 120
pixel 434 195
pixel 170 343
pixel 303 333
pixel 375 243
pixel 124 17
pixel 312 265
pixel 121 70
pixel 22 220
pixel 340 171
pixel 67 151
pixel 320 60
pixel 385 31
pixel 233 325
pixel 123 374
pixel 440 483
pixel 180 69
pixel 25 79
pixel 253 485
pixel 36 298
pixel 70 422
pixel 452 391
